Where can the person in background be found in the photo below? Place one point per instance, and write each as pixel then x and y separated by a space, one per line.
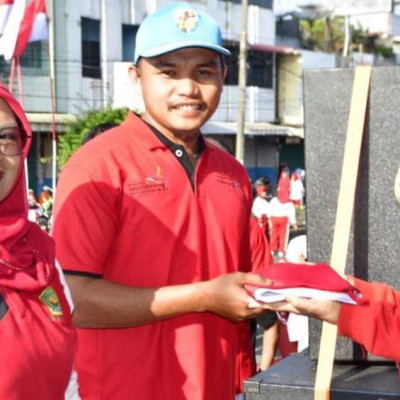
pixel 295 329
pixel 152 229
pixel 283 216
pixel 296 189
pixel 35 210
pixel 37 338
pixel 46 201
pixel 260 209
pixel 283 189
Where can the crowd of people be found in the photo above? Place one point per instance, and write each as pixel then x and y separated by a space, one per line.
pixel 276 214
pixel 40 210
pixel 154 235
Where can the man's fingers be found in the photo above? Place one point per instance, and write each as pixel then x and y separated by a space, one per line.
pixel 256 279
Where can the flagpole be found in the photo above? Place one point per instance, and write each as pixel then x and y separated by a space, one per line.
pixel 12 72
pixel 16 61
pixel 104 51
pixel 19 74
pixel 50 49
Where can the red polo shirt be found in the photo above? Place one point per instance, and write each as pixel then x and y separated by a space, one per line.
pixel 129 210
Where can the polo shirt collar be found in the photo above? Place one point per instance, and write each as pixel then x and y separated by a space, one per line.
pixel 156 139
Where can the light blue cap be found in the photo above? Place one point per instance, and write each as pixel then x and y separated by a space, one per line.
pixel 175 27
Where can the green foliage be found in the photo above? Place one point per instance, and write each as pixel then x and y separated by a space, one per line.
pixel 324 34
pixel 76 131
pixel 384 51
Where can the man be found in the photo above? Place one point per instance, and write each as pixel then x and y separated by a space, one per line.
pixel 282 216
pixel 152 227
pixel 260 208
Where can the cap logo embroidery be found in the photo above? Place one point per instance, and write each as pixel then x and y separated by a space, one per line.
pixel 187 20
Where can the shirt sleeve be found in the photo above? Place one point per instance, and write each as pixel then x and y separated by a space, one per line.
pixel 377 324
pixel 85 221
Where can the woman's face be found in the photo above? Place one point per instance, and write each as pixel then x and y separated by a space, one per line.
pixel 10 145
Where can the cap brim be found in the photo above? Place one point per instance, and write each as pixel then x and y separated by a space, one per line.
pixel 158 51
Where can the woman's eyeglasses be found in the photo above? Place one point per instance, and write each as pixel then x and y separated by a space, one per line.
pixel 11 143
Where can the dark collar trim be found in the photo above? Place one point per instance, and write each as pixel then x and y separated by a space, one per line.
pixel 201 145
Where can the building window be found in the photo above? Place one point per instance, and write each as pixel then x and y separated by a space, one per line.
pixel 34 61
pixel 261 3
pixel 32 57
pixel 232 62
pixel 128 41
pixel 259 67
pixel 91 48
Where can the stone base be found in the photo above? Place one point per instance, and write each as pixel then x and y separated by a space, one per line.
pixel 294 378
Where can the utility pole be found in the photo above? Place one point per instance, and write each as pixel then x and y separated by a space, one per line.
pixel 104 51
pixel 242 85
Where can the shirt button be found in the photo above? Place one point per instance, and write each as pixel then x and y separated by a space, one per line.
pixel 179 153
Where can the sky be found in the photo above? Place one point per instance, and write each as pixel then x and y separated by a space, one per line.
pixel 281 6
pixel 341 6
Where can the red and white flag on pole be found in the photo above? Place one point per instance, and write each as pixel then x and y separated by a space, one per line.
pixel 5 9
pixel 34 26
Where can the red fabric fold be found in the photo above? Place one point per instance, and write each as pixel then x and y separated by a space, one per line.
pixel 317 276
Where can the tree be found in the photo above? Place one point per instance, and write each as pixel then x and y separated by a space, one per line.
pixel 77 130
pixel 322 34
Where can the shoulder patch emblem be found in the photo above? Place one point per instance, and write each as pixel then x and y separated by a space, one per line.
pixel 50 299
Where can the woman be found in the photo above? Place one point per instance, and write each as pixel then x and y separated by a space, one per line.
pixel 37 339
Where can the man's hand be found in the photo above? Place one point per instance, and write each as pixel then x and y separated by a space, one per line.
pixel 325 310
pixel 226 296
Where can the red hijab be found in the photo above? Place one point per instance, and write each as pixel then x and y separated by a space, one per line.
pixel 26 252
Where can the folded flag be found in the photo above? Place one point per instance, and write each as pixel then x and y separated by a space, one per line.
pixel 304 280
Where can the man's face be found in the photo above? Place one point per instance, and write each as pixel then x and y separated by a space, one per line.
pixel 181 89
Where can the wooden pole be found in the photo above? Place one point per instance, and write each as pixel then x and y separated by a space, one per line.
pixel 344 214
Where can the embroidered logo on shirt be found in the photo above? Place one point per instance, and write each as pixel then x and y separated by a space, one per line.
pixel 152 183
pixel 156 178
pixel 50 299
pixel 187 20
pixel 227 180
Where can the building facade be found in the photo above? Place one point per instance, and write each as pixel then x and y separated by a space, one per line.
pixel 91 40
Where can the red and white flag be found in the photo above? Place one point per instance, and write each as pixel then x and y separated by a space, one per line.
pixel 24 25
pixel 34 26
pixel 10 34
pixel 5 9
